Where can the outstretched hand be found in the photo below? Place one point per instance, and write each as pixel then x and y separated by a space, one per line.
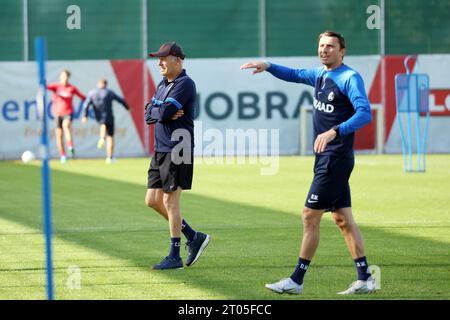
pixel 259 66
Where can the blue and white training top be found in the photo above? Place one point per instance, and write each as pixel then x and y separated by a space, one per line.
pixel 339 99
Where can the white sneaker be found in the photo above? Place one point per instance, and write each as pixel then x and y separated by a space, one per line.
pixel 286 285
pixel 110 160
pixel 361 287
pixel 63 159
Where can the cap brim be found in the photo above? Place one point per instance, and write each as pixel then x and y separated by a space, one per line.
pixel 157 54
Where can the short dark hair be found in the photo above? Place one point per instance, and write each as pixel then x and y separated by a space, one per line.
pixel 333 34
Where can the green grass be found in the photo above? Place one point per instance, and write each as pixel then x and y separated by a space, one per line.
pixel 102 226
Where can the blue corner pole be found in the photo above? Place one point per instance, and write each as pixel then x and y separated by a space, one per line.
pixel 46 187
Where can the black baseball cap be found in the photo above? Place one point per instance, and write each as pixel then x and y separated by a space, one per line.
pixel 169 49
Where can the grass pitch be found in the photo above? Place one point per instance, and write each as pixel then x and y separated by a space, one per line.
pixel 103 228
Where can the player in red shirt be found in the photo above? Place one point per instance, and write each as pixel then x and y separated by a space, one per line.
pixel 62 110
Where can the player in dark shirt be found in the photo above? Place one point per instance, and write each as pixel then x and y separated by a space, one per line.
pixel 340 108
pixel 101 100
pixel 172 111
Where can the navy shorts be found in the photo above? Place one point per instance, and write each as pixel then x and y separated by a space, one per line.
pixel 165 174
pixel 330 189
pixel 109 128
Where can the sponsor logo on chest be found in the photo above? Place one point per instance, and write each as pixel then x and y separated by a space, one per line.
pixel 322 106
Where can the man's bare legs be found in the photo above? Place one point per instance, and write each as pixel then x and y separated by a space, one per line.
pixel 60 142
pixel 311 232
pixel 171 202
pixel 109 146
pixel 343 218
pixel 167 204
pixel 67 128
pixel 154 199
pixel 311 237
pixel 104 137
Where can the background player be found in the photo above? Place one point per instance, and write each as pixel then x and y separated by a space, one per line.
pixel 101 100
pixel 62 110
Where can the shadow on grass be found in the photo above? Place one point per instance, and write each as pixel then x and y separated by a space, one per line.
pixel 250 245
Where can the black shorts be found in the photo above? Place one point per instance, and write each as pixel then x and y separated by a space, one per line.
pixel 330 189
pixel 165 174
pixel 60 119
pixel 109 128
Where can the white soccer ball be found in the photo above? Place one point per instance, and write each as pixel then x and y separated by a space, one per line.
pixel 28 156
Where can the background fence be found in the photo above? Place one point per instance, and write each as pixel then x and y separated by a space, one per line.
pixel 116 29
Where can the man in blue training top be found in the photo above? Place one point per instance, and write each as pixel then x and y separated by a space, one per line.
pixel 101 100
pixel 172 110
pixel 340 108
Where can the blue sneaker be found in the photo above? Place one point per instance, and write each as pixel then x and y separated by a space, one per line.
pixel 196 247
pixel 169 263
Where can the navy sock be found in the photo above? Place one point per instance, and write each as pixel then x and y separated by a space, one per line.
pixel 362 268
pixel 175 244
pixel 300 270
pixel 188 232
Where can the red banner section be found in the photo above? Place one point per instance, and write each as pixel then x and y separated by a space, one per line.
pixel 439 102
pixel 129 74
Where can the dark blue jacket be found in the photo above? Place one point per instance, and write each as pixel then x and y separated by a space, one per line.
pixel 101 99
pixel 169 97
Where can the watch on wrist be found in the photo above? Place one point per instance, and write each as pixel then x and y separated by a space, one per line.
pixel 336 129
